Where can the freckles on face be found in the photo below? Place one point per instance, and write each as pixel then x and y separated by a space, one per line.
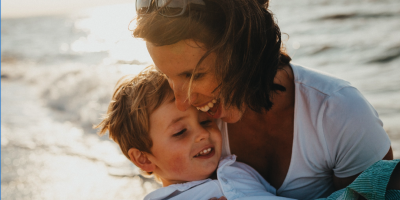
pixel 172 158
pixel 177 164
pixel 178 61
pixel 175 58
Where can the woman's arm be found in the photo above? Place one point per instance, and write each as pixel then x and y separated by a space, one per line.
pixel 340 183
pixel 394 182
pixel 354 134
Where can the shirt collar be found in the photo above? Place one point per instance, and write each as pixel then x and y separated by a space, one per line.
pixel 164 192
pixel 181 187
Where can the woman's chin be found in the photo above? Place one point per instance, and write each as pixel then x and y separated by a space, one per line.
pixel 231 119
pixel 231 115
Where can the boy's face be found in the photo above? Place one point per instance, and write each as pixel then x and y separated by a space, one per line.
pixel 186 144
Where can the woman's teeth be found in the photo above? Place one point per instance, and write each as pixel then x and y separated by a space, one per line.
pixel 204 152
pixel 208 106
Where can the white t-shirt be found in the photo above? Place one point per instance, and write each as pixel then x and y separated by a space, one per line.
pixel 336 131
pixel 236 181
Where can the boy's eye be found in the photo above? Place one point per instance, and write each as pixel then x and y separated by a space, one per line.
pixel 206 122
pixel 179 133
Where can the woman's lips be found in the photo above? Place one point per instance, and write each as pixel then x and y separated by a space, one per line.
pixel 206 107
pixel 215 112
pixel 212 108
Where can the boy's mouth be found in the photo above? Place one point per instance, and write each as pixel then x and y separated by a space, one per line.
pixel 207 152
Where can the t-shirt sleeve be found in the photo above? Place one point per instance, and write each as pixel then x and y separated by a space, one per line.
pixel 353 132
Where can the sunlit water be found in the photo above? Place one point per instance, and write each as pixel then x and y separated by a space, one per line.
pixel 58 75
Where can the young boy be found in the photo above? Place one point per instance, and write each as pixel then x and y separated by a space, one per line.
pixel 182 148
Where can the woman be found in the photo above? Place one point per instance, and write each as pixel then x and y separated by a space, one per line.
pixel 307 133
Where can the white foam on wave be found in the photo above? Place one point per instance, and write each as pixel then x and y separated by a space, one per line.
pixel 75 60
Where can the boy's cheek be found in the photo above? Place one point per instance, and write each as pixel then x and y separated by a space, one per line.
pixel 178 164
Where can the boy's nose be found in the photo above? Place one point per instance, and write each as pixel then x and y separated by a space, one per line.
pixel 202 134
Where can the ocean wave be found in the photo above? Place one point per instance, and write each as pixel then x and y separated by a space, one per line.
pixel 78 93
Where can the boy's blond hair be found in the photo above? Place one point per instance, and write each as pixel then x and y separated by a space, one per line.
pixel 134 99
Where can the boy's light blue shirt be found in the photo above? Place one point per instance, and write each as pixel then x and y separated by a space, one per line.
pixel 236 180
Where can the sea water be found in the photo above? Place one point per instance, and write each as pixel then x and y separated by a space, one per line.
pixel 58 74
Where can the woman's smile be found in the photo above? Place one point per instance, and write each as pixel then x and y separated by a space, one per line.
pixel 206 107
pixel 178 62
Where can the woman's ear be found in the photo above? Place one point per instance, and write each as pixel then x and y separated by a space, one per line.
pixel 141 160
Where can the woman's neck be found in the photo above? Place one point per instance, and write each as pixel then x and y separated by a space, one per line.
pixel 283 104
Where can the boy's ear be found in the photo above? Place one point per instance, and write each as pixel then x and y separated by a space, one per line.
pixel 141 160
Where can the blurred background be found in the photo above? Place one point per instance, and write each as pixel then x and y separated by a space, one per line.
pixel 60 60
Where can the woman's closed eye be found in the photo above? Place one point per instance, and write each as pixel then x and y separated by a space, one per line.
pixel 179 133
pixel 195 77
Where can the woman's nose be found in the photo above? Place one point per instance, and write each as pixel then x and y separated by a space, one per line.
pixel 180 92
pixel 181 102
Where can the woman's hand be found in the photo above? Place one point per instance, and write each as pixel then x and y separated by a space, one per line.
pixel 394 181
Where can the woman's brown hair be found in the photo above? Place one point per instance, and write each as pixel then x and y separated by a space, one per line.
pixel 244 36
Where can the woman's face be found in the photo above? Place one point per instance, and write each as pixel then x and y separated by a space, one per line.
pixel 177 62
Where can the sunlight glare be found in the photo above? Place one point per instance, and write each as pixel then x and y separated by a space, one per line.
pixel 108 30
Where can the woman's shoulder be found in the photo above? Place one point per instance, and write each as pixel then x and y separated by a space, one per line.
pixel 330 99
pixel 306 78
pixel 336 113
pixel 316 91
